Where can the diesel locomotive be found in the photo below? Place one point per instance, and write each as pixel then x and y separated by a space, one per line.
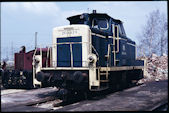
pixel 91 54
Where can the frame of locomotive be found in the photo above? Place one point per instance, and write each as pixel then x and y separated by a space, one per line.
pixel 89 54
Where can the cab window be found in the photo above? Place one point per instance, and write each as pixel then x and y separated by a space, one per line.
pixel 122 31
pixel 101 23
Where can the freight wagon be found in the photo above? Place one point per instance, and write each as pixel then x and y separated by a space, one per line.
pixel 22 74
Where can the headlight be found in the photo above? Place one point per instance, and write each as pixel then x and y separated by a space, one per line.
pixel 37 60
pixel 92 58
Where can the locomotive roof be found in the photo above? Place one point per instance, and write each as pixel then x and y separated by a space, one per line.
pixel 94 15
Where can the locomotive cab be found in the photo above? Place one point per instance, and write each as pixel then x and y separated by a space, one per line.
pixel 96 21
pixel 99 22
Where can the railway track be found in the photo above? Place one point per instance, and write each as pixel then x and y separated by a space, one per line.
pixel 146 97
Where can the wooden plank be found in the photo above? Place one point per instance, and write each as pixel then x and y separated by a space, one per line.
pixel 141 98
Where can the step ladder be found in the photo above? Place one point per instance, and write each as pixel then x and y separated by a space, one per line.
pixel 106 76
pixel 104 81
pixel 115 38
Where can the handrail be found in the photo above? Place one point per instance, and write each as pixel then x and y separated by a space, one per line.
pixel 80 43
pixel 108 55
pixel 117 39
pixel 49 50
pixel 50 57
pixel 34 52
pixel 95 52
pixel 47 57
pixel 33 63
pixel 71 54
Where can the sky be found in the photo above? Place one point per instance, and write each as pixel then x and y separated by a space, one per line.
pixel 20 20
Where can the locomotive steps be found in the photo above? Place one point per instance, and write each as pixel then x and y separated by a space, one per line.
pixel 145 97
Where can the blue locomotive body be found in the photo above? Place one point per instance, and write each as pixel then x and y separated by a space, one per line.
pixel 102 27
pixel 92 53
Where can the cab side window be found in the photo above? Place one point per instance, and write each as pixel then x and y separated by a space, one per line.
pixel 101 23
pixel 95 24
pixel 121 30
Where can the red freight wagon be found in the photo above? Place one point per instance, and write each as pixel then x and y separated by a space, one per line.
pixel 22 75
pixel 23 61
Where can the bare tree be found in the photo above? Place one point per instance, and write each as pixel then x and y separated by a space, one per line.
pixel 163 35
pixel 154 37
